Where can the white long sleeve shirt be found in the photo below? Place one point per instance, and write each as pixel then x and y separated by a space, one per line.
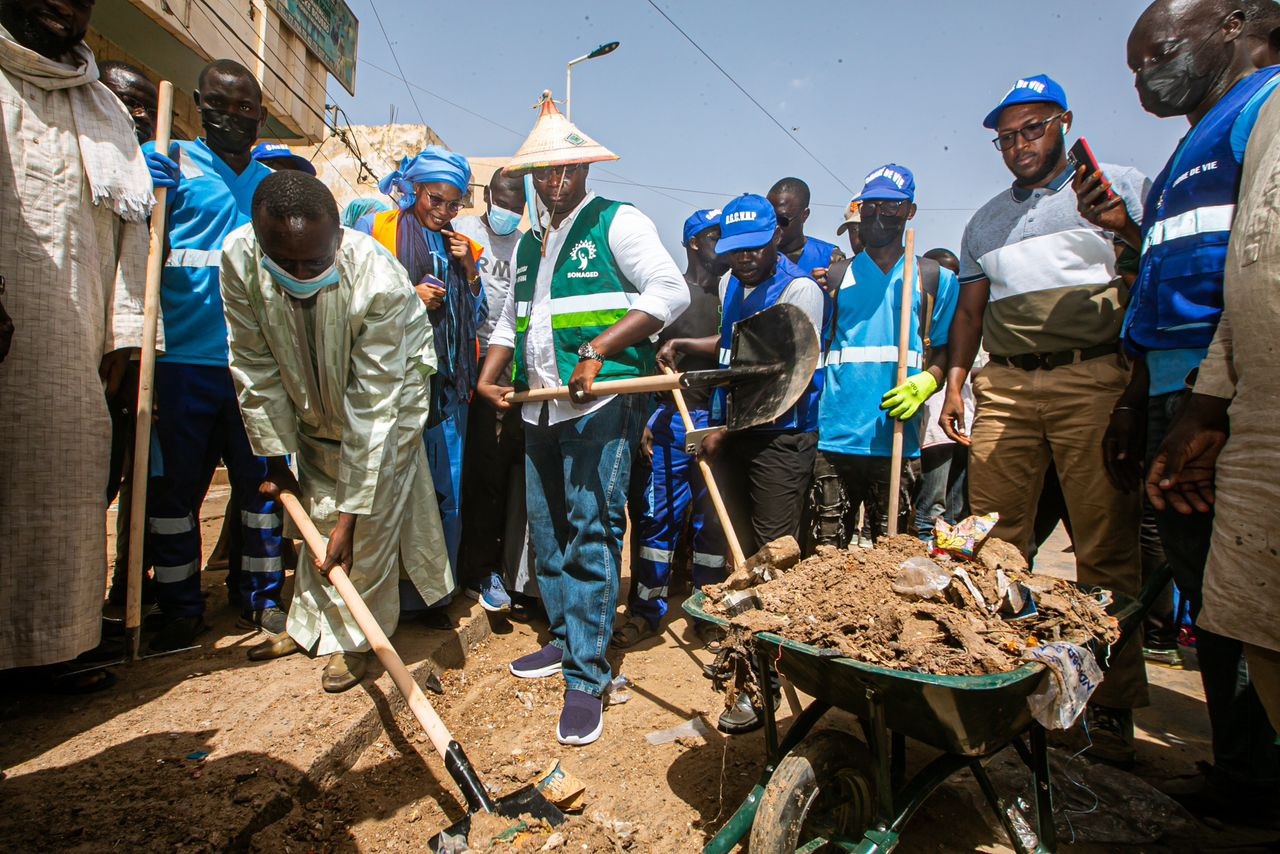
pixel 641 258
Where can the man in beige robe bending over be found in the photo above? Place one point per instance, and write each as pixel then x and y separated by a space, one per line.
pixel 331 351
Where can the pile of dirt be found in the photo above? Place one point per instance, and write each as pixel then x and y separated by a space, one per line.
pixel 844 601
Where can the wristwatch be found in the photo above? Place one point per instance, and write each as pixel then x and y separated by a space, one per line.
pixel 586 351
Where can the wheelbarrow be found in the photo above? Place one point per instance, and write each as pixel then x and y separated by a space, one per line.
pixel 828 788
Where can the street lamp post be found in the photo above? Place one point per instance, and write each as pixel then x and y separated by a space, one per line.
pixel 606 48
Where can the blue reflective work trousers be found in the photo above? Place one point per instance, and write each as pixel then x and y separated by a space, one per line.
pixel 675 488
pixel 198 423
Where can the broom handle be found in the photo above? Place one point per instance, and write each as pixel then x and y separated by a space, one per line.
pixel 713 491
pixel 146 385
pixel 637 385
pixel 904 332
pixel 418 702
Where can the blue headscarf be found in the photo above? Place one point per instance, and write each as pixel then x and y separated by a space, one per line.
pixel 360 207
pixel 434 164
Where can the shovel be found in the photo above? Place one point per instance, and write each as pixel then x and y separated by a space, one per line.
pixel 525 801
pixel 771 361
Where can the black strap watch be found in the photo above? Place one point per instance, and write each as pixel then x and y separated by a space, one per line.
pixel 586 351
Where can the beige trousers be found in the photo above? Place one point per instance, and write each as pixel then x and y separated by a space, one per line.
pixel 1026 418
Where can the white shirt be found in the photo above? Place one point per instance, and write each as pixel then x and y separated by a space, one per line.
pixel 641 259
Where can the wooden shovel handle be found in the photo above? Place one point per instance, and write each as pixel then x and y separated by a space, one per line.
pixel 638 385
pixel 713 491
pixel 146 383
pixel 904 334
pixel 418 702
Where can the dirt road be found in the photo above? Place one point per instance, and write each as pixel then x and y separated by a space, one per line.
pixel 204 751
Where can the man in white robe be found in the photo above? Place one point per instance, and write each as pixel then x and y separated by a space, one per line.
pixel 73 251
pixel 331 351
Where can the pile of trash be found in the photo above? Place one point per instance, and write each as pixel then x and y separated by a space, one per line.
pixel 969 606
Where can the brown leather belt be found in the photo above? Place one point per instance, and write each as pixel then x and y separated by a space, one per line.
pixel 1049 361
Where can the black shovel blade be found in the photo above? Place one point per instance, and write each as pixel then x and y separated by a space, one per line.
pixel 781 339
pixel 521 804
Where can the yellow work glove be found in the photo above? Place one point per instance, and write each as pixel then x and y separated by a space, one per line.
pixel 903 401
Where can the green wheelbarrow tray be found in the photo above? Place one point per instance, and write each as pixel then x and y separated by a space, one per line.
pixel 968 718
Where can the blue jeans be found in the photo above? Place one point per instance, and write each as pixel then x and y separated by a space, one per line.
pixel 673 487
pixel 1244 744
pixel 943 486
pixel 444 442
pixel 577 474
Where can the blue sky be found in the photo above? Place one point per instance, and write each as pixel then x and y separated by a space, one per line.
pixel 860 83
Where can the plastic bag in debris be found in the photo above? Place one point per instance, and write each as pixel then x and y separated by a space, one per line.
pixel 965 537
pixel 920 578
pixel 1075 675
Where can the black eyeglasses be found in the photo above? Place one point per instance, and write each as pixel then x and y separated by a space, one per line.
pixel 885 207
pixel 543 174
pixel 1030 133
pixel 440 201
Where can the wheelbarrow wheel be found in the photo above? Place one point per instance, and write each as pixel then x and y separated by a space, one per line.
pixel 821 789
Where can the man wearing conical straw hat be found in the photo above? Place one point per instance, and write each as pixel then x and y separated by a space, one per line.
pixel 590 287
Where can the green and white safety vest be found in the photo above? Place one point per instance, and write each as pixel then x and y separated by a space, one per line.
pixel 588 295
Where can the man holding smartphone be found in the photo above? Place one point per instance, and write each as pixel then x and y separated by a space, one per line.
pixel 1039 288
pixel 1173 313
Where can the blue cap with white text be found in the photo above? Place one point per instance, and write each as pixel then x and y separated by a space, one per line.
pixel 889 182
pixel 747 222
pixel 699 222
pixel 268 151
pixel 1041 89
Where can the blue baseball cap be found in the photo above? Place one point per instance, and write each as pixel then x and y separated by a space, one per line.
pixel 699 222
pixel 747 222
pixel 279 151
pixel 890 182
pixel 1041 89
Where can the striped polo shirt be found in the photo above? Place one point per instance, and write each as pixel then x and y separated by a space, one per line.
pixel 1053 276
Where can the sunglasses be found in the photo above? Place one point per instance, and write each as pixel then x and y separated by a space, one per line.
pixel 543 174
pixel 1030 133
pixel 885 207
pixel 438 201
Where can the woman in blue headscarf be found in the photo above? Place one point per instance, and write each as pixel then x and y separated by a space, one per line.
pixel 429 190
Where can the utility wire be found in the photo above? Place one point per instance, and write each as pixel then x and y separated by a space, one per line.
pixel 374 5
pixel 760 106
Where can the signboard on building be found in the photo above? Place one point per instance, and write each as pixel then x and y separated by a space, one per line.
pixel 329 29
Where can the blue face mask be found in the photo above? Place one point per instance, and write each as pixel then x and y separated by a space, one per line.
pixel 502 220
pixel 301 288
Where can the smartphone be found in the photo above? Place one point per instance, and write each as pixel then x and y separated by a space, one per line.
pixel 1082 155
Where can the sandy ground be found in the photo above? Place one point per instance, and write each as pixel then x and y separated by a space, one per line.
pixel 203 751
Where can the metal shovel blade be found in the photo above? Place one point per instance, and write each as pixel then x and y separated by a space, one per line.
pixel 520 805
pixel 783 338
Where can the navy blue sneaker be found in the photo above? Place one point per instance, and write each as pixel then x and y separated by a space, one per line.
pixel 581 720
pixel 535 665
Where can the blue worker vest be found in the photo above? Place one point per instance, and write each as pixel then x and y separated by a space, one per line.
pixel 803 417
pixel 1177 298
pixel 816 254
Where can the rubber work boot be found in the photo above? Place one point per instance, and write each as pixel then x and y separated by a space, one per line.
pixel 344 671
pixel 277 646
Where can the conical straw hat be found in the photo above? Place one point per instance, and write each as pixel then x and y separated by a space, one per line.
pixel 556 142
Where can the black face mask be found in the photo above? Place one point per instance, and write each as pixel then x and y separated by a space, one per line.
pixel 879 231
pixel 228 133
pixel 1176 86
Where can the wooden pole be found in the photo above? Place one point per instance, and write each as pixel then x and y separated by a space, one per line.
pixel 146 384
pixel 904 334
pixel 713 491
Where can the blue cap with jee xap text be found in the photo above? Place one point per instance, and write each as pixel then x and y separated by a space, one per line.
pixel 747 222
pixel 699 222
pixel 889 182
pixel 1041 89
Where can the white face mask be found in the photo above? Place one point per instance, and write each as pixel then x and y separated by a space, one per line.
pixel 301 288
